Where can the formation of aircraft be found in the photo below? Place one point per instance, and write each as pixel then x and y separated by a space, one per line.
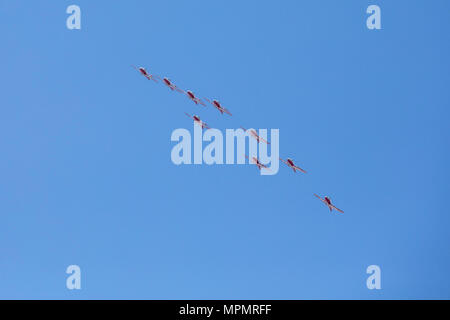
pixel 216 104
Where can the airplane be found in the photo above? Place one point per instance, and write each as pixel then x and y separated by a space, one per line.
pixel 327 201
pixel 198 121
pixel 196 100
pixel 172 87
pixel 259 164
pixel 255 135
pixel 145 73
pixel 291 164
pixel 216 104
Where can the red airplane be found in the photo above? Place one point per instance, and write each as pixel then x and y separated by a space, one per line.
pixel 196 100
pixel 327 201
pixel 291 164
pixel 145 73
pixel 198 121
pixel 259 164
pixel 216 104
pixel 172 87
pixel 255 135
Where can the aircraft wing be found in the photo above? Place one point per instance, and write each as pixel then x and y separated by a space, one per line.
pixel 300 169
pixel 337 209
pixel 321 199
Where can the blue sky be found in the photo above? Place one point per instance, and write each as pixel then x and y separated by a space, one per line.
pixel 85 150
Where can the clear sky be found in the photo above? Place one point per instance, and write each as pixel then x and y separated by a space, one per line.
pixel 87 179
